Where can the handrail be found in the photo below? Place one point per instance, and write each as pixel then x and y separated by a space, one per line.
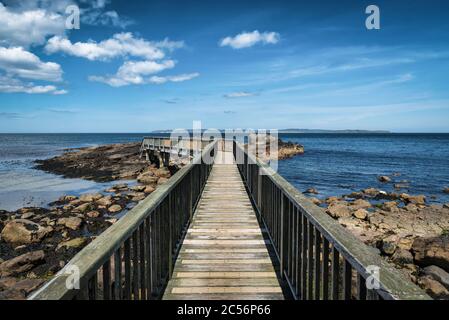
pixel 308 243
pixel 134 258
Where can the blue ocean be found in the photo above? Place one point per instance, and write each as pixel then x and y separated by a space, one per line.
pixel 334 164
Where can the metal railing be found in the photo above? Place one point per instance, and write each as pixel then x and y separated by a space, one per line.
pixel 318 258
pixel 134 258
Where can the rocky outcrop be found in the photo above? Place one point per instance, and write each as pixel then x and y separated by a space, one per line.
pixel 432 251
pixel 22 231
pixel 103 163
pixel 22 263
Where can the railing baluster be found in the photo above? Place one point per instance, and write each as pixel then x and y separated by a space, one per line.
pixel 325 268
pixel 317 264
pixel 135 264
pixel 347 280
pixel 310 262
pixel 361 287
pixel 142 272
pixel 92 286
pixel 118 274
pixel 127 256
pixel 107 280
pixel 335 273
pixel 304 257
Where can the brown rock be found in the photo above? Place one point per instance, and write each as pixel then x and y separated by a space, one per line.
pixel 12 294
pixel 419 199
pixel 338 210
pixel 84 207
pixel 72 244
pixel 162 180
pixel 147 178
pixel 384 179
pixel 315 201
pixel 435 289
pixel 402 257
pixel 331 199
pixel 22 231
pixel 360 204
pixel 93 214
pixel 22 263
pixel 138 188
pixel 390 206
pixel 28 285
pixel 371 192
pixel 67 198
pixel 389 245
pixel 90 197
pixel 138 196
pixel 361 214
pixel 411 207
pixel 162 173
pixel 437 274
pixel 120 186
pixel 149 189
pixel 105 201
pixel 432 251
pixel 311 190
pixel 115 208
pixel 27 215
pixel 446 190
pixel 73 223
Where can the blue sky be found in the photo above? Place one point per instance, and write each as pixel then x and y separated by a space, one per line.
pixel 230 64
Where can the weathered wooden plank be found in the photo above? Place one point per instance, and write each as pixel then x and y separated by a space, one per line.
pixel 224 254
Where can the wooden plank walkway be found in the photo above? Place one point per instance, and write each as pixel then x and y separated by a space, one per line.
pixel 224 254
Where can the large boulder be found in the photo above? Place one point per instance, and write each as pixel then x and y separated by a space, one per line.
pixel 90 197
pixel 339 210
pixel 437 274
pixel 147 178
pixel 434 288
pixel 418 199
pixel 432 251
pixel 73 223
pixel 384 179
pixel 23 231
pixel 84 207
pixel 115 208
pixel 75 243
pixel 162 173
pixel 361 214
pixel 105 201
pixel 360 204
pixel 22 263
pixel 402 257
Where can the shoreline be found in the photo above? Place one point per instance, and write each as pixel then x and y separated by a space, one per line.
pixel 36 242
pixel 51 236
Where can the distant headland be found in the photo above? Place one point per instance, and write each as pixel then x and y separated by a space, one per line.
pixel 296 130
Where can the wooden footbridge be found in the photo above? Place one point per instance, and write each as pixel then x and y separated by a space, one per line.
pixel 226 226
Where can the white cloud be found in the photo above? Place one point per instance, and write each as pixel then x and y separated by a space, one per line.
pixel 11 85
pixel 15 61
pixel 137 72
pixel 120 45
pixel 134 72
pixel 249 39
pixel 175 78
pixel 240 94
pixel 29 27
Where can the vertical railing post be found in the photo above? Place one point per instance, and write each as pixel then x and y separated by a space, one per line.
pixel 190 192
pixel 283 238
pixel 170 236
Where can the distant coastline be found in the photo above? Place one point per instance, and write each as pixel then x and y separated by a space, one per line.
pixel 295 130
